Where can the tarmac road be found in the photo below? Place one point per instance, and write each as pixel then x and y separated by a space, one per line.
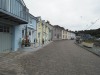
pixel 57 58
pixel 61 58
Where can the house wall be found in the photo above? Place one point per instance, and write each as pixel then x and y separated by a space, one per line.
pixel 44 31
pixel 17 36
pixel 71 35
pixel 35 29
pixel 47 31
pixel 68 35
pixel 39 32
pixel 50 33
pixel 6 37
pixel 32 28
pixel 64 34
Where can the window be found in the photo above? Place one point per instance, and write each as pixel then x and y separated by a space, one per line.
pixel 55 29
pixel 23 33
pixel 8 29
pixel 38 35
pixel 4 29
pixel 63 36
pixel 30 20
pixel 58 36
pixel 1 28
pixel 29 32
pixel 39 24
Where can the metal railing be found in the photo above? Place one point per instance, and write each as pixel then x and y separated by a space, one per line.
pixel 15 8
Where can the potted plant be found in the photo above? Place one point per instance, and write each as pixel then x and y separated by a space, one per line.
pixel 27 43
pixel 23 43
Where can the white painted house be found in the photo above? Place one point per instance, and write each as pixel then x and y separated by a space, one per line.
pixel 71 35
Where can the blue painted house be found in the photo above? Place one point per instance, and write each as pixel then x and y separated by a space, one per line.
pixel 13 17
pixel 32 29
pixel 21 32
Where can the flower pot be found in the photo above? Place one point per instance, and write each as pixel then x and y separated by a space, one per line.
pixel 90 45
pixel 22 46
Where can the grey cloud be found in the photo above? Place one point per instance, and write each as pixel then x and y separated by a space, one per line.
pixel 67 13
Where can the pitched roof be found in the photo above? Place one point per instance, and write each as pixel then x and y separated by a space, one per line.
pixel 57 26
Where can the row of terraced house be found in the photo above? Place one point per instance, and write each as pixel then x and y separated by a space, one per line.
pixel 19 28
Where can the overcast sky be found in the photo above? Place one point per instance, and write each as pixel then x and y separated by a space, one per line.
pixel 70 14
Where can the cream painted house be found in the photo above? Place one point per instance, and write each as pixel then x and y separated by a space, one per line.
pixel 39 31
pixel 47 33
pixel 64 34
pixel 44 30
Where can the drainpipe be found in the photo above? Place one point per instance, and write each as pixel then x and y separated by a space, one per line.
pixel 26 37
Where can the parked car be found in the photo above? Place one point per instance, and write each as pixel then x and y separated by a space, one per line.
pixel 72 38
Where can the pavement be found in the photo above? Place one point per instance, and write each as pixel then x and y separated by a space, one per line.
pixel 24 50
pixel 57 58
pixel 32 48
pixel 95 49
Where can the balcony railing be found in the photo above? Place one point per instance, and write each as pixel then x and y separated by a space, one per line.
pixel 14 7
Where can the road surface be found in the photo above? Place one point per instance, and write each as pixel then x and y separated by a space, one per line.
pixel 60 58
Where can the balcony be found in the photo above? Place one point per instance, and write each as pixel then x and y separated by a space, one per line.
pixel 13 10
